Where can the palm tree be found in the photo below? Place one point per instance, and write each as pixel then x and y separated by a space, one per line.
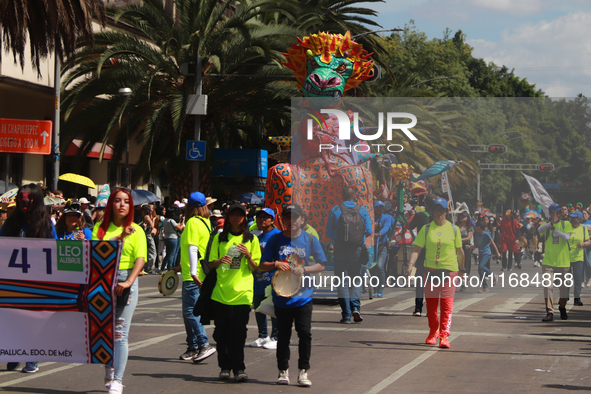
pixel 52 26
pixel 241 62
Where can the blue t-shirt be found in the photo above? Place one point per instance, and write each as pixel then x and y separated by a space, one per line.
pixel 386 224
pixel 262 279
pixel 299 250
pixel 482 241
pixel 70 235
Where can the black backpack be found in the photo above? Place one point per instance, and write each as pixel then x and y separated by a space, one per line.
pixel 350 227
pixel 205 259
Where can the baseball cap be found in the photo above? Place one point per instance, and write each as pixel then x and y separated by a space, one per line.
pixel 72 207
pixel 237 207
pixel 196 199
pixel 293 209
pixel 83 200
pixel 576 214
pixel 268 211
pixel 554 207
pixel 378 203
pixel 442 202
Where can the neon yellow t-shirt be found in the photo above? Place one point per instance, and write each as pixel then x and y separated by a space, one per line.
pixel 579 234
pixel 556 252
pixel 235 282
pixel 253 227
pixel 134 245
pixel 440 246
pixel 195 233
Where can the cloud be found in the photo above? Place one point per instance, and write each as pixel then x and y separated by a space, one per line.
pixel 555 54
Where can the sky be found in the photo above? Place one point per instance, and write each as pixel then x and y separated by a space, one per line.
pixel 546 41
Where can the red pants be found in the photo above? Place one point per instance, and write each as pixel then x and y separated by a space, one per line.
pixel 447 292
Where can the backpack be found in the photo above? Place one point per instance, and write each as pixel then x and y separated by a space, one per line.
pixel 350 227
pixel 205 259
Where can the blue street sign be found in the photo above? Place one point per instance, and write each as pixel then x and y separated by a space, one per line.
pixel 196 150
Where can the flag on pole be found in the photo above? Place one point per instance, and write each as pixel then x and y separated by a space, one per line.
pixel 437 168
pixel 539 192
pixel 446 189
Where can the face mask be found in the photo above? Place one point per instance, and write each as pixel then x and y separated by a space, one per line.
pixel 25 202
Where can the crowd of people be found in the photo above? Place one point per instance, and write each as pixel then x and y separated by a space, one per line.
pixel 227 258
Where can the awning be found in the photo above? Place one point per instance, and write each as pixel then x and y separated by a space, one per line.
pixel 94 152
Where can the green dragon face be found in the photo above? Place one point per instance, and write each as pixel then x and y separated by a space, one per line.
pixel 327 80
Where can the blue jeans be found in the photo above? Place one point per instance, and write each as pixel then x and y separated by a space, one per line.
pixel 122 324
pixel 262 319
pixel 196 336
pixel 382 254
pixel 346 263
pixel 483 269
pixel 172 251
pixel 577 269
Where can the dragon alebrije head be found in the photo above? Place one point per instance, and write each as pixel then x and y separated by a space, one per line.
pixel 326 65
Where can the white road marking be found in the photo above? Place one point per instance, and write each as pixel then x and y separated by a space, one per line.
pixel 511 306
pixel 405 369
pixel 132 347
pixel 399 306
pixel 463 303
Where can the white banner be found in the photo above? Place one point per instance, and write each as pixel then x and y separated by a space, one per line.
pixel 539 193
pixel 57 300
pixel 446 189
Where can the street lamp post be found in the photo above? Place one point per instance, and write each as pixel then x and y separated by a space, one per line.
pixel 126 92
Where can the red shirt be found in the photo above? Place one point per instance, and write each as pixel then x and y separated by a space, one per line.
pixel 509 229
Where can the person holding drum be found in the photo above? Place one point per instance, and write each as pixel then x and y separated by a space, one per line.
pixel 289 254
pixel 118 225
pixel 194 240
pixel 444 257
pixel 235 254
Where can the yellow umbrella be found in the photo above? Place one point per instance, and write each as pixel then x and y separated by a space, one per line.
pixel 79 179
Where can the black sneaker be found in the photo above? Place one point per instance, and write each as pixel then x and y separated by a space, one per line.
pixel 549 317
pixel 204 352
pixel 578 302
pixel 240 376
pixel 563 314
pixel 12 366
pixel 189 354
pixel 417 312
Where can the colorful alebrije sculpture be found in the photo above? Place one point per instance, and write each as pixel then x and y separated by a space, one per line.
pixel 325 65
pixel 328 55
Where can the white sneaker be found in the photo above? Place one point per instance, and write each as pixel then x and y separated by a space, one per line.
pixel 116 388
pixel 283 377
pixel 271 344
pixel 109 376
pixel 259 342
pixel 303 379
pixel 588 282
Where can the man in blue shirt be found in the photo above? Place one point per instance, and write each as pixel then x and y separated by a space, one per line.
pixel 291 250
pixel 346 254
pixel 384 224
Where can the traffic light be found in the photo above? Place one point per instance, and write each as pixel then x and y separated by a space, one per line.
pixel 497 149
pixel 546 167
pixel 567 185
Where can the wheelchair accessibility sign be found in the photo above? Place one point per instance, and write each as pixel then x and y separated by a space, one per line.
pixel 196 150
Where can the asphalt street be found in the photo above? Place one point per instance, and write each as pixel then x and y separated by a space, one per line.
pixel 498 344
